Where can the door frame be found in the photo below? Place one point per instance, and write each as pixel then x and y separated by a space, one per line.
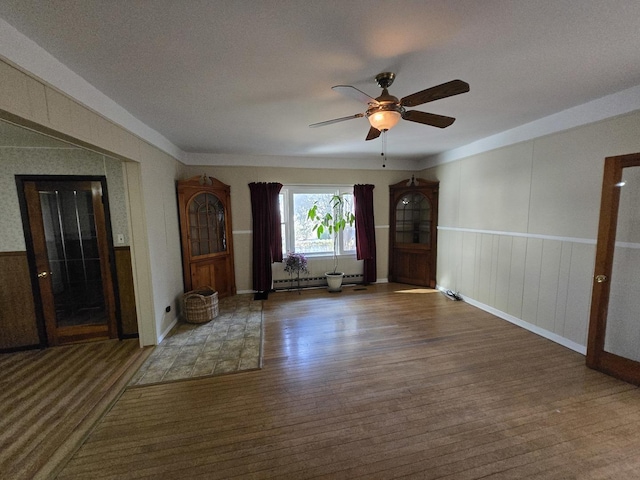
pixel 597 358
pixel 31 257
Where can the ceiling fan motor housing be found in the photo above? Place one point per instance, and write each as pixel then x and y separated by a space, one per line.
pixel 385 103
pixel 385 107
pixel 385 113
pixel 385 79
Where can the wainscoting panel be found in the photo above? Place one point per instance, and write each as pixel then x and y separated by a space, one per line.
pixel 18 326
pixel 549 284
pixel 18 323
pixel 542 280
pixel 579 294
pixel 563 286
pixel 532 270
pixel 503 273
pixel 467 281
pixel 128 314
pixel 516 275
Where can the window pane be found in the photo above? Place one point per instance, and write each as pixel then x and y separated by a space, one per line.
pixel 297 230
pixel 305 238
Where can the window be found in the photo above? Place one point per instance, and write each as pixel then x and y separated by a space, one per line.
pixel 297 231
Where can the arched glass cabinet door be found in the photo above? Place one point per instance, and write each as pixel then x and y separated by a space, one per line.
pixel 207 232
pixel 413 219
pixel 204 204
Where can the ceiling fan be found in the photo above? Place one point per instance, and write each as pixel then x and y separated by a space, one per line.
pixel 386 111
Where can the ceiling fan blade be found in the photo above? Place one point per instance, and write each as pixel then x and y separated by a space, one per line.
pixel 373 133
pixel 432 119
pixel 449 89
pixel 336 120
pixel 353 92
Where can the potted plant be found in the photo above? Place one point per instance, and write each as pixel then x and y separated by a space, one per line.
pixel 294 264
pixel 332 222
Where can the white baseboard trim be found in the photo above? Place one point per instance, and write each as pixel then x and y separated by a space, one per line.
pixel 554 337
pixel 167 330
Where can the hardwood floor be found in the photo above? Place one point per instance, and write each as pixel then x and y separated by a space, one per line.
pixel 50 399
pixel 387 382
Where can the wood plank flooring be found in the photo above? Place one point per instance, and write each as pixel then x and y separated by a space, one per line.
pixel 49 400
pixel 387 382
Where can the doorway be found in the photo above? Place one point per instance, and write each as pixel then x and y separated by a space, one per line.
pixel 68 233
pixel 614 329
pixel 413 211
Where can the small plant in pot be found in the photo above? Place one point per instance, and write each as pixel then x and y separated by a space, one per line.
pixel 294 264
pixel 332 222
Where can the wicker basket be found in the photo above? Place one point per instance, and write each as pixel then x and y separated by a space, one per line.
pixel 200 306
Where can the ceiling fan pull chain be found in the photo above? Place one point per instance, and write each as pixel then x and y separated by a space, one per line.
pixel 384 149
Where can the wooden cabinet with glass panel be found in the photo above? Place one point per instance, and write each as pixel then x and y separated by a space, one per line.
pixel 205 226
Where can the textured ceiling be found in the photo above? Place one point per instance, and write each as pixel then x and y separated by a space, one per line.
pixel 247 77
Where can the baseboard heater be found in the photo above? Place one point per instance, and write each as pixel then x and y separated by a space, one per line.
pixel 308 282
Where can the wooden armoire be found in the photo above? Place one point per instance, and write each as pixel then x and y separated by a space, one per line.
pixel 413 221
pixel 204 205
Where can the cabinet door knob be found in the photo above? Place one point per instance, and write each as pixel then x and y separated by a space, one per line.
pixel 42 274
pixel 601 278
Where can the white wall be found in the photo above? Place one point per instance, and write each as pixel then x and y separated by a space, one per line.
pixel 518 226
pixel 159 174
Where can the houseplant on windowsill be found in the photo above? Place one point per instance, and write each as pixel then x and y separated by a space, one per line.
pixel 332 222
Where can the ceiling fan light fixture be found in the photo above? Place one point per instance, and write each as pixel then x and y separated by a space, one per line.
pixel 385 111
pixel 384 119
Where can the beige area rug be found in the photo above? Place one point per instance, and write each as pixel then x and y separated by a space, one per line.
pixel 232 342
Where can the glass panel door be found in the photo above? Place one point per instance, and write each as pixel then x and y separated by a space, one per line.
pixel 614 327
pixel 622 334
pixel 71 255
pixel 74 258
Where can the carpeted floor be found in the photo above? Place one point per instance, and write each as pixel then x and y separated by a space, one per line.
pixel 232 342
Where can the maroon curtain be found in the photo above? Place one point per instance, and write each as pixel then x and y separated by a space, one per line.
pixel 365 230
pixel 267 236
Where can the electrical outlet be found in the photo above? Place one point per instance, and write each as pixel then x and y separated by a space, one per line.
pixel 120 238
